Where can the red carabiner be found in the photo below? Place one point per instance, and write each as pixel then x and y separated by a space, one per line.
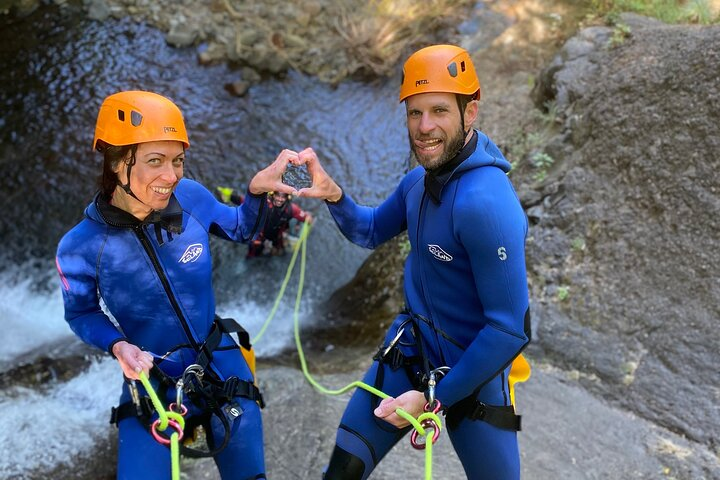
pixel 435 409
pixel 425 424
pixel 429 423
pixel 162 439
pixel 183 409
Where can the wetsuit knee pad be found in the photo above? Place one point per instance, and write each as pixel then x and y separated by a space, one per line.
pixel 352 458
pixel 344 466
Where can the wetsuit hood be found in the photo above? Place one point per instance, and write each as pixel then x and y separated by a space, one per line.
pixel 478 152
pixel 169 218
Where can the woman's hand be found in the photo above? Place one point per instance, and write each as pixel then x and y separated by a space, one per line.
pixel 270 178
pixel 132 359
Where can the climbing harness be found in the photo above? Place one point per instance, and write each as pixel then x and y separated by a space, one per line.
pixel 202 387
pixel 425 376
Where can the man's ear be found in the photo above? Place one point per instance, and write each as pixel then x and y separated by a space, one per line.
pixel 471 112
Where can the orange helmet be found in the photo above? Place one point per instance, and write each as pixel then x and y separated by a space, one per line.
pixel 440 68
pixel 127 118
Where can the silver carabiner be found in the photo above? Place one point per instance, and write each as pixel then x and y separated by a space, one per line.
pixel 431 390
pixel 179 392
pixel 196 370
pixel 432 383
pixel 135 395
pixel 394 341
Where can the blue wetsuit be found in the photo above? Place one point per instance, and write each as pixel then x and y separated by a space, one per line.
pixel 155 279
pixel 466 307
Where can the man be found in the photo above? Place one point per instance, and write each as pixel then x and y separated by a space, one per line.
pixel 466 316
pixel 281 211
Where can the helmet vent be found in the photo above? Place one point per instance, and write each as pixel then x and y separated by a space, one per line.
pixel 135 118
pixel 452 69
pixel 462 66
pixel 121 115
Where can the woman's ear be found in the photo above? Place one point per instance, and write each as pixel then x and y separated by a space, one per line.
pixel 123 163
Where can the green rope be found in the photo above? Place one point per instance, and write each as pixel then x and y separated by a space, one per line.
pixel 281 293
pixel 416 423
pixel 164 417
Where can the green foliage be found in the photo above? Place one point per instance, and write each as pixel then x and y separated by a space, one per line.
pixel 383 31
pixel 542 162
pixel 549 116
pixel 621 32
pixel 563 292
pixel 577 244
pixel 405 248
pixel 542 127
pixel 669 11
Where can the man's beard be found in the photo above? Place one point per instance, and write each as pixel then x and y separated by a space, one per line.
pixel 451 147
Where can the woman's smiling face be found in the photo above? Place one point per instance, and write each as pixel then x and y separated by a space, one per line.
pixel 157 170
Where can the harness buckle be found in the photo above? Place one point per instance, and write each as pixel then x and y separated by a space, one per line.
pixel 478 412
pixel 230 387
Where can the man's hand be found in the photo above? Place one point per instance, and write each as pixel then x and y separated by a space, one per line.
pixel 270 178
pixel 411 401
pixel 132 359
pixel 323 186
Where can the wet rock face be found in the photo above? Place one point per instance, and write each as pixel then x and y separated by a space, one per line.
pixel 359 313
pixel 629 224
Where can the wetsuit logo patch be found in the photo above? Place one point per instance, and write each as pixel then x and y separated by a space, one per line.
pixel 439 253
pixel 192 253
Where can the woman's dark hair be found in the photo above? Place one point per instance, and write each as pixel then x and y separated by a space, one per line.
pixel 112 156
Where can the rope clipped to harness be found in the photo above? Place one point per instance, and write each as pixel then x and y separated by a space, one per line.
pixel 167 419
pixel 428 423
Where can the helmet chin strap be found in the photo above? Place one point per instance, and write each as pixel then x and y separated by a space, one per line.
pixel 126 186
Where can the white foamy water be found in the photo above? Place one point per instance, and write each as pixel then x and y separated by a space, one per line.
pixel 29 320
pixel 46 430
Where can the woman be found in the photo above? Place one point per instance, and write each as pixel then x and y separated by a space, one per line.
pixel 141 254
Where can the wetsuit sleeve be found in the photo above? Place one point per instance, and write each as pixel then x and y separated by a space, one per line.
pixel 492 229
pixel 368 226
pixel 298 213
pixel 82 304
pixel 231 223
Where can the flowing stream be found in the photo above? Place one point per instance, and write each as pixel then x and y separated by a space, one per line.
pixel 57 67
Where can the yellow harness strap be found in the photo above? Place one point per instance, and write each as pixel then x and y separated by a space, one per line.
pixel 249 356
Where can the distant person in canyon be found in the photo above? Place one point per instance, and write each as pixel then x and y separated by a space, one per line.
pixel 466 318
pixel 141 254
pixel 275 233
